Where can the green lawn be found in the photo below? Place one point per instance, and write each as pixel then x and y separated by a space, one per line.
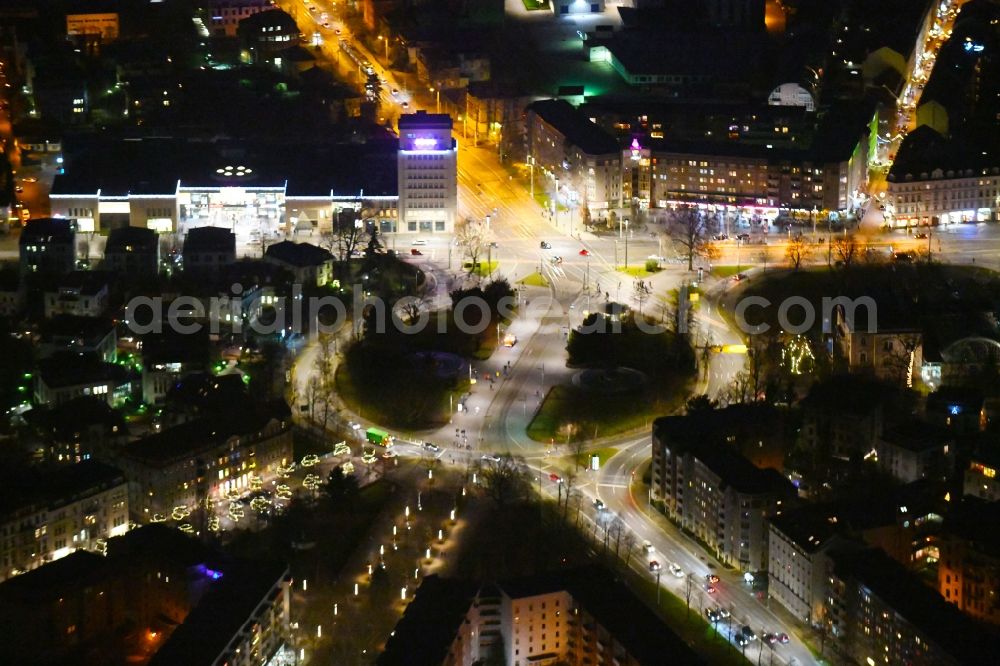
pixel 727 271
pixel 597 415
pixel 483 268
pixel 637 271
pixel 535 5
pixel 583 460
pixel 535 279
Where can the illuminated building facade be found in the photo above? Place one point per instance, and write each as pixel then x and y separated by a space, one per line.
pixel 969 569
pixel 225 15
pixel 206 458
pixel 77 507
pixel 428 172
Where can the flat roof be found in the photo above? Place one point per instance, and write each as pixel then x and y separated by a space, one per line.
pixel 24 487
pixel 578 129
pixel 161 166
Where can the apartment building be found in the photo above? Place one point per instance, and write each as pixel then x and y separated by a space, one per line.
pixel 47 516
pixel 709 488
pixel 969 568
pixel 575 616
pixel 80 293
pixel 48 246
pixel 573 156
pixel 428 173
pixel 205 458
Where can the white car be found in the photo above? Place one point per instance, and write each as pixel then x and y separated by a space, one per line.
pixel 647 547
pixel 419 241
pixel 354 426
pixel 676 571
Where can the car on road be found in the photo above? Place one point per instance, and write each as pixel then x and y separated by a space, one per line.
pixel 743 237
pixel 647 547
pixel 783 638
pixel 509 340
pixel 555 478
pixel 353 425
pixel 712 579
pixel 555 261
pixel 432 447
pixel 327 25
pixel 657 257
pixel 394 92
pixel 493 244
pixel 770 639
pixel 676 570
pixel 337 31
pixel 491 457
pixel 724 613
pixel 419 241
pixel 741 640
pixel 405 105
pixel 29 179
pixel 920 236
pixel 720 237
pixel 739 277
pixel 599 505
pixel 711 589
pixel 584 252
pixel 748 633
pixel 19 189
pixel 389 453
pixel 654 566
pixel 545 245
pixel 712 615
pixel 903 257
pixel 415 252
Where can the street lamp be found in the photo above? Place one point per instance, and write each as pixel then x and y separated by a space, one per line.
pixel 386 40
pixel 437 91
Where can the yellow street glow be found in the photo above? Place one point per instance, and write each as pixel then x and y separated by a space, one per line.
pixel 734 349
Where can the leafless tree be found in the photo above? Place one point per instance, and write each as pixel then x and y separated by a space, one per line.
pixel 629 544
pixel 617 528
pixel 798 251
pixel 346 235
pixel 847 250
pixel 569 486
pixel 692 231
pixel 472 236
pixel 409 309
pixel 324 370
pixel 505 480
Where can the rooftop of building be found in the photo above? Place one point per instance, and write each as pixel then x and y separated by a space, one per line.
pixel 812 526
pixel 705 436
pixel 158 166
pixel 88 283
pixel 72 369
pixel 47 229
pixel 222 612
pixel 269 20
pixel 926 610
pixel 966 519
pixel 204 433
pixel 53 487
pixel 914 435
pixel 423 120
pixel 66 421
pixel 90 330
pixel 690 53
pixel 575 126
pixel 847 394
pixel 430 622
pixel 298 254
pixel 209 239
pixel 132 239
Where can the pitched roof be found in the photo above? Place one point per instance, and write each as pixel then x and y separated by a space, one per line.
pixel 298 254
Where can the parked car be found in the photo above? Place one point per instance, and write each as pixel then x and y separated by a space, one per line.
pixel 783 638
pixel 654 566
pixel 419 241
pixel 432 447
pixel 712 579
pixel 712 615
pixel 491 457
pixel 770 639
pixel 920 236
pixel 414 251
pixel 647 547
pixel 743 237
pixel 599 505
pixel 748 633
pixel 676 570
pixel 545 245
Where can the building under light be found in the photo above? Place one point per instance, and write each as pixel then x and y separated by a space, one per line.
pixel 427 172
